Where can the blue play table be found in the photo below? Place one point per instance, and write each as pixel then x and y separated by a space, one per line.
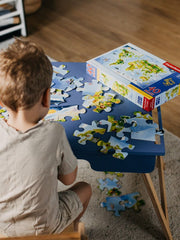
pixel 141 159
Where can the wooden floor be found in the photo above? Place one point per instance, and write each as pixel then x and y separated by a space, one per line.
pixel 78 30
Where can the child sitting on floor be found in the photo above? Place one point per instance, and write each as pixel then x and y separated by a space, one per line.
pixel 34 154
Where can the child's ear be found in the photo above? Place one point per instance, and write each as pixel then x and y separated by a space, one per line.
pixel 46 98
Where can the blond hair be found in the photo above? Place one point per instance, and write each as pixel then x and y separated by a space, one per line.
pixel 25 73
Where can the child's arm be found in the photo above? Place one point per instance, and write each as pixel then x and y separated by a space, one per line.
pixel 69 178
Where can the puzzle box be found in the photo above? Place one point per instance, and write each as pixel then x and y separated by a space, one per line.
pixel 141 77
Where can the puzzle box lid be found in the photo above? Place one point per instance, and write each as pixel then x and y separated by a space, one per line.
pixel 139 68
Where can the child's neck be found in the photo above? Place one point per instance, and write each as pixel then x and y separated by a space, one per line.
pixel 23 119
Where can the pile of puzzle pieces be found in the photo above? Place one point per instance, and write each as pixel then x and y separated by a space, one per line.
pixel 115 201
pixel 92 94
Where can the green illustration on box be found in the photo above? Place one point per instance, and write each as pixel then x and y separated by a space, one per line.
pixel 131 63
pixel 171 93
pixel 116 86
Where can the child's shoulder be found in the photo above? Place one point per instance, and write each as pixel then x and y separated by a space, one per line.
pixel 53 125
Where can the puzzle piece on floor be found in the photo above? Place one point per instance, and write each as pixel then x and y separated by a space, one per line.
pixel 90 88
pixel 114 192
pixel 58 95
pixel 118 174
pixel 117 145
pixel 68 84
pixel 88 133
pixel 100 101
pixel 60 70
pixel 108 184
pixel 113 204
pixel 120 203
pixel 59 115
pixel 138 204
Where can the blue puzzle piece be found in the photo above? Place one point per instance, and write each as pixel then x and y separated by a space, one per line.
pixel 58 95
pixel 112 204
pixel 141 129
pixel 90 88
pixel 108 183
pixel 129 199
pixel 67 84
pixel 60 70
pixel 118 204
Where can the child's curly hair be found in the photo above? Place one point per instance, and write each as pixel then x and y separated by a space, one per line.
pixel 25 73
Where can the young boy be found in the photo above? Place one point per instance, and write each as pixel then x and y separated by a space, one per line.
pixel 34 154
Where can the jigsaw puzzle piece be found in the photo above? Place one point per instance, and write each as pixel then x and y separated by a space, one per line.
pixel 129 200
pixel 88 132
pixel 113 125
pixel 101 102
pixel 114 192
pixel 67 84
pixel 60 70
pixel 120 203
pixel 140 128
pixel 113 204
pixel 73 83
pixel 118 174
pixel 3 113
pixel 146 135
pixel 117 145
pixel 108 184
pixel 140 124
pixel 58 95
pixel 90 88
pixel 138 204
pixel 59 115
pixel 117 126
pixel 146 116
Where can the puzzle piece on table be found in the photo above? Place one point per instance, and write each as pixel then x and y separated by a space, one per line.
pixel 101 102
pixel 117 145
pixel 140 128
pixel 52 84
pixel 146 116
pixel 88 132
pixel 120 203
pixel 60 70
pixel 117 126
pixel 90 88
pixel 3 113
pixel 59 115
pixel 146 135
pixel 108 184
pixel 55 81
pixel 68 84
pixel 113 125
pixel 58 95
